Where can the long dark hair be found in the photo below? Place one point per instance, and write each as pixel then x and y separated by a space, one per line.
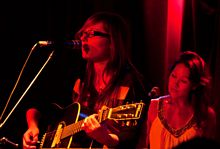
pixel 119 62
pixel 200 77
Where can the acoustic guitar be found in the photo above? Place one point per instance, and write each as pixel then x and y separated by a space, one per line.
pixel 63 136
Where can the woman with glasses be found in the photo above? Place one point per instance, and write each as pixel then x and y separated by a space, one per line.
pixel 110 80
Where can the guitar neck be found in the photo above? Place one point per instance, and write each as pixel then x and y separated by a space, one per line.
pixel 124 112
pixel 72 129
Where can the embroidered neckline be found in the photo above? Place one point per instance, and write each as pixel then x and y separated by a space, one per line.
pixel 175 132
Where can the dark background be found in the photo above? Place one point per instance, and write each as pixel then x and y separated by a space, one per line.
pixel 23 23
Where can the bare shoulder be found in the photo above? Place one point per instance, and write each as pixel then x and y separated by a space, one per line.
pixel 154 102
pixel 153 108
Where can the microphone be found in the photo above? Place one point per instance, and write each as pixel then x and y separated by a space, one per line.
pixel 73 44
pixel 155 92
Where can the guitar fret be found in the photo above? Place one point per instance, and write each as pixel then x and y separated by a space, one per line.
pixel 71 129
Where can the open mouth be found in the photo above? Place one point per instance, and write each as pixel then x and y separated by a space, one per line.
pixel 85 47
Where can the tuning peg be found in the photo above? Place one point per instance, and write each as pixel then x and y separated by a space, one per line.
pixel 122 123
pixel 135 123
pixel 128 123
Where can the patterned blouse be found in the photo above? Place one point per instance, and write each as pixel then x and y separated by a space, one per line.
pixel 170 137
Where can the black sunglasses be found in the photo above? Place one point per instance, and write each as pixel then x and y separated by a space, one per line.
pixel 91 33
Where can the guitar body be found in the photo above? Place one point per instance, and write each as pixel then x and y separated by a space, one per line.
pixel 67 133
pixel 69 115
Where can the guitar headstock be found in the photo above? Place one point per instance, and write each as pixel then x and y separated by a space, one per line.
pixel 121 113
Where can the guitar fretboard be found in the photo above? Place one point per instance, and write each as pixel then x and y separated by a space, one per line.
pixel 71 129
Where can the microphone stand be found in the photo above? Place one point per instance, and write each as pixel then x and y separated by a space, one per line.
pixel 3 140
pixel 27 88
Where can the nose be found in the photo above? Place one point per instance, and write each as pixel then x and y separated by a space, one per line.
pixel 177 83
pixel 84 37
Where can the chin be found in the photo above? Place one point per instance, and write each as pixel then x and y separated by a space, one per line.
pixel 85 55
pixel 173 94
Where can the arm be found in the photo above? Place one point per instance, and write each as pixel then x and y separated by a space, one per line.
pixel 152 113
pixel 30 137
pixel 145 129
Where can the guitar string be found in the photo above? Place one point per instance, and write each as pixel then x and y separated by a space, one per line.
pixel 71 125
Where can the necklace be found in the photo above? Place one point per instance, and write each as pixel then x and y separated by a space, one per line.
pixel 100 87
pixel 100 83
pixel 100 90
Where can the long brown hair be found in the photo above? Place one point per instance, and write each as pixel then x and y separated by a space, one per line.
pixel 200 76
pixel 119 61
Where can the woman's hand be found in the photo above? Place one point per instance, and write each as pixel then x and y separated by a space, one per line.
pixel 30 138
pixel 98 132
pixel 91 125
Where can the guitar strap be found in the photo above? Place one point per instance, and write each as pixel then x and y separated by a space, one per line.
pixel 77 86
pixel 122 93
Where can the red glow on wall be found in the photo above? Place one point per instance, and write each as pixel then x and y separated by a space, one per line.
pixel 174 30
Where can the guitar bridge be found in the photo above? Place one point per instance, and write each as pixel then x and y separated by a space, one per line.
pixel 58 134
